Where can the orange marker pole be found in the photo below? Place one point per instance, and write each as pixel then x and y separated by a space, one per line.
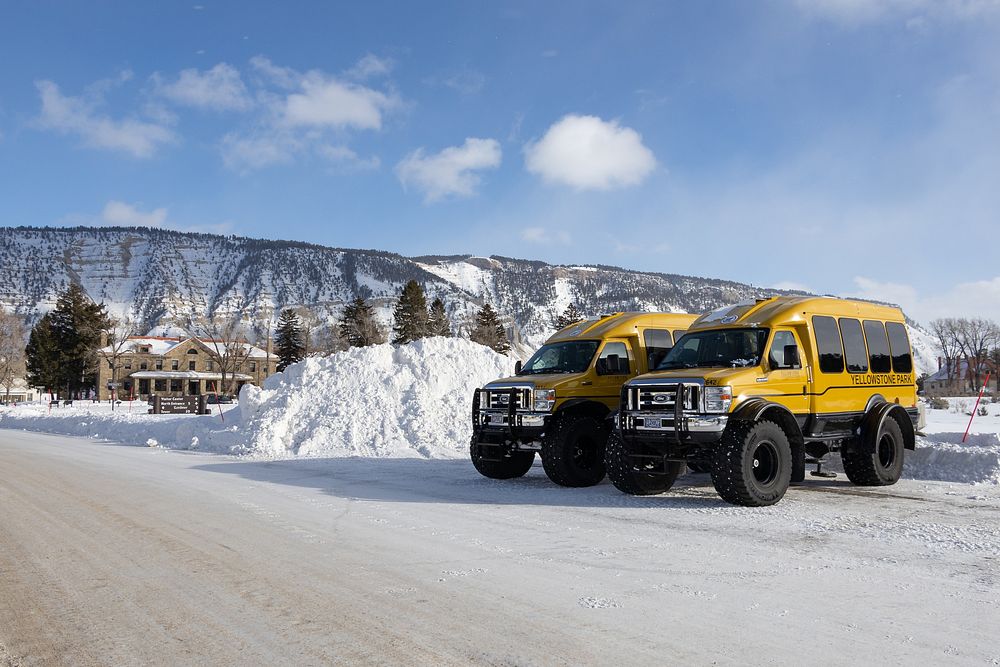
pixel 979 398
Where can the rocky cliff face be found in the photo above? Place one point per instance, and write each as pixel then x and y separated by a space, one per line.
pixel 163 277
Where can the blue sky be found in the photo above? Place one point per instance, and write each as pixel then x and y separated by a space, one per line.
pixel 842 146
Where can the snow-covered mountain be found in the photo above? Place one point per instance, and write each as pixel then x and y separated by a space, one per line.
pixel 162 277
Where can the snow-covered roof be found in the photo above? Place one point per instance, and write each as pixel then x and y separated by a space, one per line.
pixel 185 375
pixel 953 368
pixel 162 345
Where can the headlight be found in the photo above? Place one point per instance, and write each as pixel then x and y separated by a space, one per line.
pixel 545 400
pixel 718 399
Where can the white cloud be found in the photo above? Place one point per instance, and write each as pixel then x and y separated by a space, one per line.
pixel 78 115
pixel 588 153
pixel 310 113
pixel 325 101
pixel 793 286
pixel 465 81
pixel 283 77
pixel 452 172
pixel 245 152
pixel 126 215
pixel 219 89
pixel 978 298
pixel 545 236
pixel 345 156
pixel 859 12
pixel 370 66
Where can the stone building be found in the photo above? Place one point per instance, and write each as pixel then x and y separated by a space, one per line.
pixel 164 366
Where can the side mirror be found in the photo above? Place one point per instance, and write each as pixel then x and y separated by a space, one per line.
pixel 791 355
pixel 517 367
pixel 610 365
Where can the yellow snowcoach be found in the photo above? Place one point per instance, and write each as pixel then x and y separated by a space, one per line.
pixel 558 402
pixel 756 390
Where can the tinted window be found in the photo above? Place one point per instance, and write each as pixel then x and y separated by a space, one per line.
pixel 616 348
pixel 658 343
pixel 567 357
pixel 721 348
pixel 854 345
pixel 776 358
pixel 831 352
pixel 878 346
pixel 902 362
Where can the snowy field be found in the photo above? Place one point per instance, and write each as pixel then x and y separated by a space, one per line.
pixel 413 401
pixel 342 489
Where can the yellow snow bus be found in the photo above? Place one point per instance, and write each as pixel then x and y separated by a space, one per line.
pixel 557 403
pixel 756 390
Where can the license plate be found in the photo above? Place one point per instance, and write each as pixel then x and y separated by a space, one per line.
pixel 495 419
pixel 653 422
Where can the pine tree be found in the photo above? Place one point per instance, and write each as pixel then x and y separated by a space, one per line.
pixel 569 316
pixel 437 319
pixel 75 329
pixel 489 331
pixel 288 339
pixel 42 355
pixel 410 317
pixel 359 326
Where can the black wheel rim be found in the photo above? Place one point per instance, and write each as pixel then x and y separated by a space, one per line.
pixel 584 453
pixel 886 451
pixel 765 463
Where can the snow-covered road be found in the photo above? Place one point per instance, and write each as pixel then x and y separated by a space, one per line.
pixel 112 554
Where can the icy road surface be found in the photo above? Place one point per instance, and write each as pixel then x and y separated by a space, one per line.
pixel 125 555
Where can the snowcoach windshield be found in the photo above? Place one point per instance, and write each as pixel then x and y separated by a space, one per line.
pixel 720 348
pixel 569 357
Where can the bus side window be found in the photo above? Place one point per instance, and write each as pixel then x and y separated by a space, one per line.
pixel 899 343
pixel 828 344
pixel 854 345
pixel 878 347
pixel 658 344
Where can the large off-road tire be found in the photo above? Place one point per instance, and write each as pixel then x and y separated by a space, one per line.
pixel 629 480
pixel 753 464
pixel 508 467
pixel 881 467
pixel 573 450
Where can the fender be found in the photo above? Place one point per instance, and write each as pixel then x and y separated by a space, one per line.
pixel 752 409
pixel 873 401
pixel 871 425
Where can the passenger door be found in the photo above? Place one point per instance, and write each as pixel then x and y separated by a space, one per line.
pixel 786 381
pixel 608 380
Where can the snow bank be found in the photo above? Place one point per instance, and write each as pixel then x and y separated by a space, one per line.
pixel 944 457
pixel 99 422
pixel 378 401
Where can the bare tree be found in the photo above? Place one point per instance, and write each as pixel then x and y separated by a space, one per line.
pixel 117 332
pixel 945 330
pixel 12 362
pixel 225 338
pixel 976 337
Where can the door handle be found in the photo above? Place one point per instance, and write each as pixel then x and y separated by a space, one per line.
pixel 586 383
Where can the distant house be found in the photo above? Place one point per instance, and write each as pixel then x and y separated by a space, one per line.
pixel 20 392
pixel 164 366
pixel 956 377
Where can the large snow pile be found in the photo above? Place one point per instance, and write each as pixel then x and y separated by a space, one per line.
pixel 943 456
pixel 412 400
